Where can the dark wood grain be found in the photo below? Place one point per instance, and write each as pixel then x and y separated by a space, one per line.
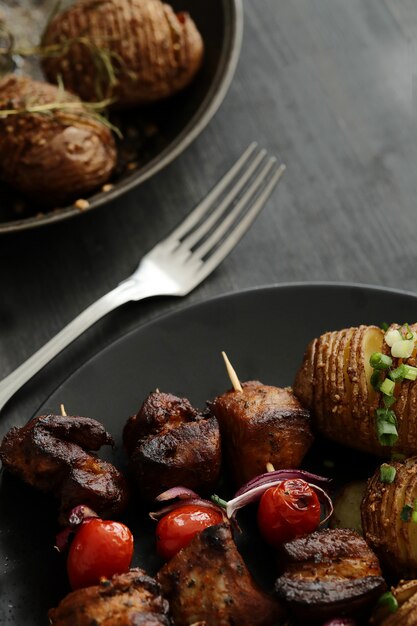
pixel 326 85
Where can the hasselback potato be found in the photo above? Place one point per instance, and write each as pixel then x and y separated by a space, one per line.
pixel 388 521
pixel 48 151
pixel 334 382
pixel 135 51
pixel 405 613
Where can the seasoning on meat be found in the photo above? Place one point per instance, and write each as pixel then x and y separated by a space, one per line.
pixel 170 443
pixel 207 581
pixel 328 573
pixel 259 425
pixel 51 453
pixel 132 599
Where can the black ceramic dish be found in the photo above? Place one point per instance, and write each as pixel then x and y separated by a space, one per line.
pixel 264 332
pixel 175 123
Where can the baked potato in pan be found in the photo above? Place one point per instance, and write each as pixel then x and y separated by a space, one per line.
pixel 50 152
pixel 334 382
pixel 387 518
pixel 133 51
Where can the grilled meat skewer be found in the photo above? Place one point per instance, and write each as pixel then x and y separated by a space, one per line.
pixel 261 424
pixel 328 573
pixel 170 443
pixel 132 599
pixel 51 453
pixel 208 582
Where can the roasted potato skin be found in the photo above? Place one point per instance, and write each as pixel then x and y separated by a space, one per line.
pixel 406 614
pixel 153 51
pixel 328 573
pixel 393 538
pixel 52 158
pixel 334 383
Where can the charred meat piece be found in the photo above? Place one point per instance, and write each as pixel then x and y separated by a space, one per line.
pixel 261 425
pixel 207 581
pixel 127 599
pixel 51 454
pixel 328 573
pixel 171 444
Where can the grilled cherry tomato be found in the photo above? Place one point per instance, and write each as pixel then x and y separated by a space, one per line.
pixel 288 510
pixel 100 549
pixel 176 529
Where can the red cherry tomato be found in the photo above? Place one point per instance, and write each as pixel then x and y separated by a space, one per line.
pixel 288 510
pixel 100 548
pixel 176 529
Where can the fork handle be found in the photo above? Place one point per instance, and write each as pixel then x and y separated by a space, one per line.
pixel 111 300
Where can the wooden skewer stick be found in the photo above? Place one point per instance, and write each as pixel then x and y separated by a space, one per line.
pixel 63 412
pixel 232 374
pixel 270 467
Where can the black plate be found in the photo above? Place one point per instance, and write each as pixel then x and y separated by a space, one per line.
pixel 177 121
pixel 264 332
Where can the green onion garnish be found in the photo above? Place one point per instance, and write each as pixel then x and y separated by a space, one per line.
pixel 387 473
pixel 398 374
pixel 408 332
pixel 386 427
pixel 376 380
pixel 410 372
pixel 388 401
pixel 387 387
pixel 384 326
pixel 380 361
pixel 389 601
pixel 406 513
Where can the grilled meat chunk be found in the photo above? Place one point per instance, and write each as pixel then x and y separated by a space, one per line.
pixel 51 454
pixel 260 425
pixel 171 444
pixel 327 573
pixel 207 581
pixel 127 599
pixel 386 511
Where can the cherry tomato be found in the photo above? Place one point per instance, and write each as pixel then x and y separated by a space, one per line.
pixel 100 548
pixel 176 529
pixel 288 510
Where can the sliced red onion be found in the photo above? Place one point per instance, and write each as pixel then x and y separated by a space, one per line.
pixel 284 474
pixel 77 516
pixel 181 496
pixel 253 490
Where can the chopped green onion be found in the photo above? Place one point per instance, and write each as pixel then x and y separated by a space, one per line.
pixel 386 427
pixel 387 387
pixel 387 473
pixel 376 380
pixel 410 372
pixel 389 600
pixel 384 326
pixel 380 361
pixel 414 517
pixel 403 348
pixel 398 374
pixel 408 334
pixel 388 401
pixel 406 513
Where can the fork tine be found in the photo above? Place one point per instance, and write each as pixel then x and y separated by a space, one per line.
pixel 194 217
pixel 212 218
pixel 237 233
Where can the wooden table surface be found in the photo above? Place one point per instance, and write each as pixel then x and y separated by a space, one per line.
pixel 326 85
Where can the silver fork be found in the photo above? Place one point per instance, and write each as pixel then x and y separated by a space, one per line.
pixel 177 264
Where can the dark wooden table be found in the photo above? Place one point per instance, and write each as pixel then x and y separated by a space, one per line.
pixel 326 85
